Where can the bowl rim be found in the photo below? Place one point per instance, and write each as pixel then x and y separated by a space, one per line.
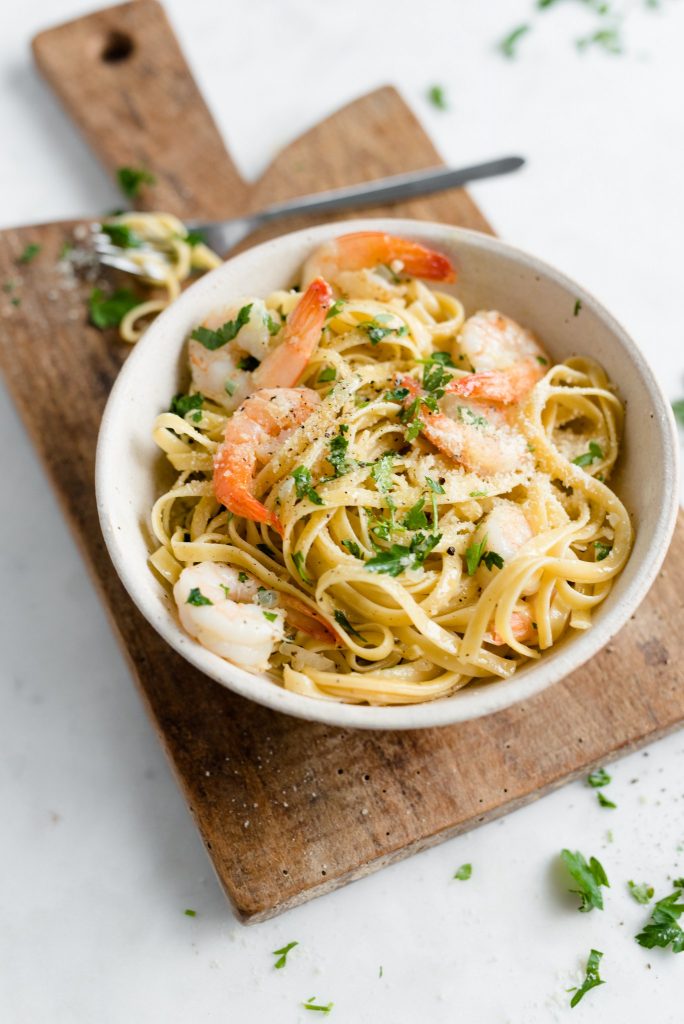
pixel 483 700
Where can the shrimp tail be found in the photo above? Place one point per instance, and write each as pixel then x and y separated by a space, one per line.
pixel 307 620
pixel 505 387
pixel 233 482
pixel 286 363
pixel 367 248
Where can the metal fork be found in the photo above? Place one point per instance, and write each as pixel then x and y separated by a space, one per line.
pixel 222 236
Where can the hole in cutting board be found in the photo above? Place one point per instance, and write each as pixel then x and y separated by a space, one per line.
pixel 118 47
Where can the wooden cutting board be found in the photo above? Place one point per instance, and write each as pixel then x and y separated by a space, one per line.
pixel 287 810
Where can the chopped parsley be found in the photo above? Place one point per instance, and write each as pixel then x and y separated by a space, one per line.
pixel 29 253
pixel 435 487
pixel 311 1004
pixel 602 550
pixel 272 324
pixel 181 405
pixel 642 893
pixel 415 518
pixel 122 235
pixel 230 387
pixel 606 38
pixel 194 238
pixel 593 455
pixel 298 559
pixel 335 309
pixel 401 556
pixel 477 553
pixel 604 801
pixel 599 778
pixel 217 339
pixel 131 179
pixel 303 487
pixel 464 872
pixel 248 363
pixel 197 598
pixel 327 374
pixel 589 877
pixel 664 928
pixel 578 306
pixel 353 548
pixel 437 97
pixel 435 378
pixel 377 331
pixel 190 913
pixel 109 310
pixel 242 577
pixel 343 621
pixel 678 409
pixel 473 419
pixel 382 472
pixel 337 455
pixel 443 358
pixel 508 45
pixel 399 394
pixel 477 494
pixel 271 616
pixel 282 954
pixel 591 980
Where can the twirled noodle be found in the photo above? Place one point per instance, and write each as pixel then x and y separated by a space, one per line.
pixel 456 611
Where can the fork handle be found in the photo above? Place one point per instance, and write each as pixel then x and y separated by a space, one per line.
pixel 390 190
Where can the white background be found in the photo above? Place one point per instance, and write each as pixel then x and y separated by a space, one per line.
pixel 98 857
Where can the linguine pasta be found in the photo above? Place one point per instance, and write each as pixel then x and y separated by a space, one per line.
pixel 434 537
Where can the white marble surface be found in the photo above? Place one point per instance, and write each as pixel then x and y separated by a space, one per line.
pixel 99 858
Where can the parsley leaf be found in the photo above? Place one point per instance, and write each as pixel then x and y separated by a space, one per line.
pixel 664 929
pixel 311 1005
pixel 334 309
pixel 29 253
pixel 491 559
pixel 327 373
pixel 303 488
pixel 122 235
pixel 272 324
pixel 197 598
pixel 242 577
pixel 248 363
pixel 109 310
pixel 217 339
pixel 298 559
pixel 382 472
pixel 435 487
pixel 607 38
pixel 464 872
pixel 399 394
pixel 190 913
pixel 473 419
pixel 599 778
pixel 592 979
pixel 415 518
pixel 508 44
pixel 443 358
pixel 183 404
pixel 401 556
pixel 282 954
pixel 589 877
pixel 474 555
pixel 602 550
pixel 604 801
pixel 271 616
pixel 194 238
pixel 353 548
pixel 437 97
pixel 578 306
pixel 641 893
pixel 678 409
pixel 337 456
pixel 595 452
pixel 343 621
pixel 131 179
pixel 377 331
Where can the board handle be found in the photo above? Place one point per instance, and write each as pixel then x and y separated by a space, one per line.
pixel 122 76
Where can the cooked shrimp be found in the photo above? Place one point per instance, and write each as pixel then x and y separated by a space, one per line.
pixel 253 433
pixel 283 366
pixel 507 359
pixel 474 434
pixel 522 629
pixel 348 261
pixel 216 372
pixel 504 530
pixel 217 606
pixel 505 387
pixel 233 615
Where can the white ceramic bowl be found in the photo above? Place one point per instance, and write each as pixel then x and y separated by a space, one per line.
pixel 490 275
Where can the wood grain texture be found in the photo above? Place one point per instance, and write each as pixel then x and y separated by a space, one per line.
pixel 286 809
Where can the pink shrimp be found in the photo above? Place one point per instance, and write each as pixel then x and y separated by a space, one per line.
pixel 367 249
pixel 304 618
pixel 504 387
pixel 522 629
pixel 285 364
pixel 253 433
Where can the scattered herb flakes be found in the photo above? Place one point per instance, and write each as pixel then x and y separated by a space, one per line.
pixel 131 180
pixel 271 616
pixel 663 928
pixel 190 913
pixel 434 486
pixel 397 394
pixel 16 302
pixel 230 387
pixel 678 409
pixel 678 883
pixel 477 494
pixel 593 455
pixel 197 598
pixel 380 972
pixel 477 553
pixel 589 877
pixel 464 872
pixel 335 309
pixel 401 556
pixel 608 39
pixel 599 778
pixel 327 374
pixel 578 306
pixel 194 238
pixel 248 363
pixel 310 1004
pixel 272 324
pixel 29 253
pixel 473 419
pixel 604 801
pixel 542 361
pixel 642 893
pixel 181 405
pixel 377 331
pixel 298 559
pixel 509 44
pixel 303 487
pixel 122 235
pixel 602 550
pixel 437 97
pixel 282 954
pixel 109 310
pixel 382 472
pixel 343 621
pixel 242 577
pixel 337 455
pixel 227 332
pixel 591 980
pixel 415 518
pixel 353 548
